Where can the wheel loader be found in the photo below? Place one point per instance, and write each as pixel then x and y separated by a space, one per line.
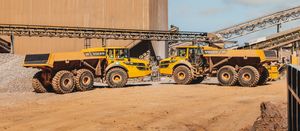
pixel 191 64
pixel 76 71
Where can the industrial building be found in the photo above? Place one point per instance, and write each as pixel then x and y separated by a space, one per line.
pixel 125 14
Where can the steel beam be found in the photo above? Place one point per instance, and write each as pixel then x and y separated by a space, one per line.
pixel 98 33
pixel 260 23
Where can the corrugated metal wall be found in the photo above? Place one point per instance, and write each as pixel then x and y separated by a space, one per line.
pixel 134 14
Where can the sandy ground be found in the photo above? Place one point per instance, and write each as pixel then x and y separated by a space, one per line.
pixel 156 106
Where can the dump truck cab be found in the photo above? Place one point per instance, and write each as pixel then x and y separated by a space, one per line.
pixel 120 57
pixel 68 71
pixel 191 64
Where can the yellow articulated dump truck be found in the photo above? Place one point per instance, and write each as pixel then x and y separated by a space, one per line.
pixel 76 71
pixel 191 64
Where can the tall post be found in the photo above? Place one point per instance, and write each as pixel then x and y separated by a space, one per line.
pixel 87 43
pixel 278 28
pixel 103 42
pixel 12 42
pixel 279 52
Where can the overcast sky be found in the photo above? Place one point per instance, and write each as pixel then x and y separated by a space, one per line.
pixel 213 15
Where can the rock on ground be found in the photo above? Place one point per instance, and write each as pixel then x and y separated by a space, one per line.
pixel 14 77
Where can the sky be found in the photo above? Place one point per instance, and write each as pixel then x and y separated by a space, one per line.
pixel 213 15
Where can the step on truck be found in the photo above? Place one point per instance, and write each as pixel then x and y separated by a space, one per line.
pixel 76 71
pixel 191 64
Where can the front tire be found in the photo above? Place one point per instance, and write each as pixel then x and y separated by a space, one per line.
pixel 248 76
pixel 116 78
pixel 63 82
pixel 264 76
pixel 227 76
pixel 84 80
pixel 182 75
pixel 38 83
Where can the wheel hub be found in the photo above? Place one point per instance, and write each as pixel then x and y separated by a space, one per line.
pixel 67 83
pixel 181 75
pixel 117 78
pixel 247 77
pixel 86 80
pixel 225 76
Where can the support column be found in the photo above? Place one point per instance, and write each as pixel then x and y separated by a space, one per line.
pixel 87 43
pixel 161 48
pixel 12 42
pixel 278 27
pixel 103 42
pixel 279 54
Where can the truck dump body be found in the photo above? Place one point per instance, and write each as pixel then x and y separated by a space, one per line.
pixel 36 59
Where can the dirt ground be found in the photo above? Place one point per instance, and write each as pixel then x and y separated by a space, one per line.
pixel 156 106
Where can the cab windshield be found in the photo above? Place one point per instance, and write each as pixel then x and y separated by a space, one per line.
pixel 182 52
pixel 118 53
pixel 122 53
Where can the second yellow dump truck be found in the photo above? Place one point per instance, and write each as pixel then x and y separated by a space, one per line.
pixel 76 71
pixel 191 64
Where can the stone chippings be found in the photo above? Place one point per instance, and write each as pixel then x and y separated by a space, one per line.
pixel 13 76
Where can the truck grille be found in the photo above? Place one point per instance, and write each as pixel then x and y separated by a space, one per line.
pixel 36 59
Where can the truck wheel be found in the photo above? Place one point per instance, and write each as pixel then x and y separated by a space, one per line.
pixel 227 76
pixel 182 75
pixel 248 76
pixel 116 77
pixel 197 80
pixel 38 83
pixel 264 76
pixel 63 82
pixel 84 80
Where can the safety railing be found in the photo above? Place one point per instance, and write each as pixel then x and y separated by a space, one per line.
pixel 293 80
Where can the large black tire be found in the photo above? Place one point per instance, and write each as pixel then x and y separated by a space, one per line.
pixel 84 80
pixel 248 76
pixel 264 76
pixel 63 82
pixel 197 80
pixel 182 75
pixel 38 85
pixel 227 76
pixel 116 78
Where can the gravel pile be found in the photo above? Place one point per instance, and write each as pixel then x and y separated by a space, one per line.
pixel 14 77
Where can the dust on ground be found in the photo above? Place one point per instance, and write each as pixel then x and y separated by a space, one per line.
pixel 147 106
pixel 139 106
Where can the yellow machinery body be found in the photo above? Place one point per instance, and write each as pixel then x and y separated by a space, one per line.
pixel 217 58
pixel 91 58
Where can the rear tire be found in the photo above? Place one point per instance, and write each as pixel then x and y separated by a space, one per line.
pixel 84 80
pixel 227 76
pixel 182 75
pixel 116 78
pixel 63 82
pixel 264 76
pixel 248 76
pixel 38 83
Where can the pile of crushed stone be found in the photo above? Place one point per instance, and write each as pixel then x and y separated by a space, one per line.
pixel 273 118
pixel 14 77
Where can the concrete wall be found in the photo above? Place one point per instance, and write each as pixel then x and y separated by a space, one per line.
pixel 133 14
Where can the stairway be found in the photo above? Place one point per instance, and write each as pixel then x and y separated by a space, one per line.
pixel 5 46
